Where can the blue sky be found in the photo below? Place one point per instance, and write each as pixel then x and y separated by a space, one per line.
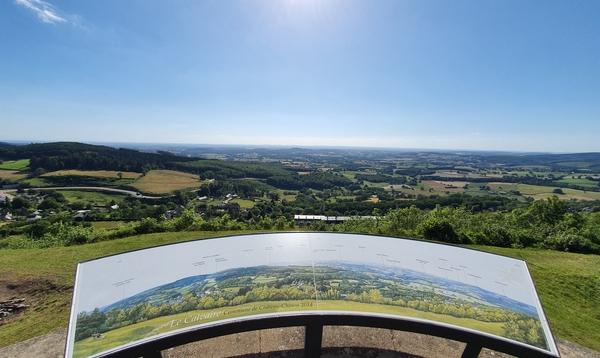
pixel 481 75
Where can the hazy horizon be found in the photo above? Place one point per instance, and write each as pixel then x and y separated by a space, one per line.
pixel 163 146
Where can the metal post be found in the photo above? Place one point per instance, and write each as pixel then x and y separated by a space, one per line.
pixel 471 351
pixel 313 340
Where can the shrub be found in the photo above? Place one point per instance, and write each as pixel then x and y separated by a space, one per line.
pixel 438 230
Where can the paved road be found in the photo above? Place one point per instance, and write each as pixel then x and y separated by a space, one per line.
pixel 99 188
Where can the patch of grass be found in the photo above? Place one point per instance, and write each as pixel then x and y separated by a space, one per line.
pixel 57 266
pixel 568 284
pixel 96 198
pixel 164 181
pixel 36 182
pixel 94 173
pixel 107 225
pixel 503 186
pixel 244 204
pixel 576 181
pixel 22 164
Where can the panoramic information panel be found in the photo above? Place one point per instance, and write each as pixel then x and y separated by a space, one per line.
pixel 143 295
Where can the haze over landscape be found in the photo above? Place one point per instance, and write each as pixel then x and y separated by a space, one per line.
pixel 510 75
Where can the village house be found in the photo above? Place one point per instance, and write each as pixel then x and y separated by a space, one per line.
pixel 5 215
pixel 81 215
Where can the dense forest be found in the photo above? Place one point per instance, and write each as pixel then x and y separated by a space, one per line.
pixel 70 155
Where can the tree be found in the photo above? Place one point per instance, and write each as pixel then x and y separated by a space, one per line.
pixel 19 203
pixel 438 230
pixel 558 191
pixel 78 205
pixel 49 204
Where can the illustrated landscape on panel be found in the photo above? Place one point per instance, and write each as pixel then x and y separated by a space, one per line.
pixel 333 286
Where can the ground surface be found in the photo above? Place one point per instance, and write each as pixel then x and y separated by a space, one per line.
pixel 288 342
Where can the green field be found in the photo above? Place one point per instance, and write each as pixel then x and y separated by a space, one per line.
pixel 36 182
pixel 577 181
pixel 96 198
pixel 22 164
pixel 244 204
pixel 568 284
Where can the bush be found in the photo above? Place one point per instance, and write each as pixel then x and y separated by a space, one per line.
pixel 148 226
pixel 571 243
pixel 438 230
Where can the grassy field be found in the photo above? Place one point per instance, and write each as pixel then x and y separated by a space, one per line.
pixel 107 225
pixel 45 277
pixel 96 198
pixel 244 204
pixel 164 181
pixel 577 181
pixel 94 173
pixel 36 182
pixel 568 284
pixel 22 164
pixel 12 174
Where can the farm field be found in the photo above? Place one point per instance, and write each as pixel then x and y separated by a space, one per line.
pixel 22 164
pixel 94 173
pixel 165 181
pixel 454 173
pixel 543 192
pixel 12 174
pixel 577 181
pixel 501 186
pixel 450 186
pixel 94 197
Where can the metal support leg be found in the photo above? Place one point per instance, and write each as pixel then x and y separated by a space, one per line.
pixel 471 351
pixel 313 340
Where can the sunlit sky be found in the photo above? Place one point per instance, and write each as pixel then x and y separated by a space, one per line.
pixel 481 75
